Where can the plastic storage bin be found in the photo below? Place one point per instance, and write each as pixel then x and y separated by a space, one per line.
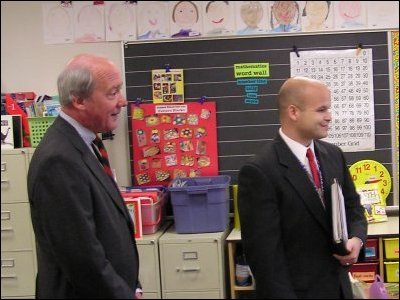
pixel 391 248
pixel 364 271
pixel 371 249
pixel 152 204
pixel 152 214
pixel 38 127
pixel 392 271
pixel 200 204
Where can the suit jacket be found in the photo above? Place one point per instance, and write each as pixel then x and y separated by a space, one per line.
pixel 84 234
pixel 286 232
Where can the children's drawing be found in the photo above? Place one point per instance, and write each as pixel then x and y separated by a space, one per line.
pixel 285 16
pixel 120 21
pixel 89 22
pixel 57 23
pixel 152 20
pixel 317 15
pixel 251 17
pixel 350 14
pixel 218 17
pixel 185 18
pixel 383 14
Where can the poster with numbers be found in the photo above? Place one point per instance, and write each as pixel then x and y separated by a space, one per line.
pixel 349 75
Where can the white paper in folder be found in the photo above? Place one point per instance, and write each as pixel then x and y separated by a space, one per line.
pixel 339 223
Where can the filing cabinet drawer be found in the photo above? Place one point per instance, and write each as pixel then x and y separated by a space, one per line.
pixel 17 273
pixel 150 295
pixel 193 295
pixel 13 177
pixel 16 228
pixel 149 274
pixel 190 266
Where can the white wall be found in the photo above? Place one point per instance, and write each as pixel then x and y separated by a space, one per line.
pixel 27 64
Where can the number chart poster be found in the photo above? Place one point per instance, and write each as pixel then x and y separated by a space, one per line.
pixel 349 76
pixel 171 141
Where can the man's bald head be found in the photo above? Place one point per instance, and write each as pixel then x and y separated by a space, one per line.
pixel 293 91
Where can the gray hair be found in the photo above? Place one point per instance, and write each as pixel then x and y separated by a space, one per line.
pixel 74 81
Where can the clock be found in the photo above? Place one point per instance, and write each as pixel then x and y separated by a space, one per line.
pixel 370 173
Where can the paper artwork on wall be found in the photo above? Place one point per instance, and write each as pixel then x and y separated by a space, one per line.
pixel 175 140
pixel 89 21
pixel 120 18
pixel 168 85
pixel 58 24
pixel 153 22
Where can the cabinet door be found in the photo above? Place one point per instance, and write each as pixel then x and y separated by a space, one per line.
pixel 13 178
pixel 17 273
pixel 16 228
pixel 149 274
pixel 190 266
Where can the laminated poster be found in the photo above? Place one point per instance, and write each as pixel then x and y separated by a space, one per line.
pixel 167 86
pixel 172 141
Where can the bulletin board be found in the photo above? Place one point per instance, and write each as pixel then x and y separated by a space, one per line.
pixel 243 129
pixel 172 141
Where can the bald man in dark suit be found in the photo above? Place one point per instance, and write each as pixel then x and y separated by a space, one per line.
pixel 285 212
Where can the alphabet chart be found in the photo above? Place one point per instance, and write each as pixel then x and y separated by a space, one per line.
pixel 349 76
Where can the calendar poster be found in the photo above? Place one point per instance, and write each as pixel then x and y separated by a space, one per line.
pixel 349 75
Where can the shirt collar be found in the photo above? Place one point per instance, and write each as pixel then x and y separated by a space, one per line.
pixel 298 149
pixel 86 134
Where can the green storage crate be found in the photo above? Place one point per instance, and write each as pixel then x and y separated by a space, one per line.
pixel 38 127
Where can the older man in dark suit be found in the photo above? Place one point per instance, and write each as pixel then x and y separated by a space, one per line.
pixel 84 234
pixel 285 203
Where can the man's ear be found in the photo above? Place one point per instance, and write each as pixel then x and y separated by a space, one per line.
pixel 78 103
pixel 293 112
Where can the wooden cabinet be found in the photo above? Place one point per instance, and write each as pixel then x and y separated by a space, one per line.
pixel 149 271
pixel 192 265
pixel 379 231
pixel 18 253
pixel 233 239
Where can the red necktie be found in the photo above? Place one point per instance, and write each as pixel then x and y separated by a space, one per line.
pixel 102 155
pixel 313 168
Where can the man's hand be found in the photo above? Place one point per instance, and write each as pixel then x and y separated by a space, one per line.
pixel 354 246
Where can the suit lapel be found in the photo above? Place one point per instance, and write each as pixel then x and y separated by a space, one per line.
pixel 92 163
pixel 110 186
pixel 300 182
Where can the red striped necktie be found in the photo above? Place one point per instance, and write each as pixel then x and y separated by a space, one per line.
pixel 102 155
pixel 313 168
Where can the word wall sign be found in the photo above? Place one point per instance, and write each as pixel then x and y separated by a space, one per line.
pixel 349 76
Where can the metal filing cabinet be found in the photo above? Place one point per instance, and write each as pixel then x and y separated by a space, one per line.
pixel 18 253
pixel 149 271
pixel 192 265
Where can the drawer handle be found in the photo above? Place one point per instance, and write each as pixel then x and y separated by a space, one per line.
pixel 8 276
pixel 196 269
pixel 3 166
pixel 6 215
pixel 7 229
pixel 7 263
pixel 5 181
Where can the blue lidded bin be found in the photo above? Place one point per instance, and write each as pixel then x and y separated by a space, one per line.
pixel 200 204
